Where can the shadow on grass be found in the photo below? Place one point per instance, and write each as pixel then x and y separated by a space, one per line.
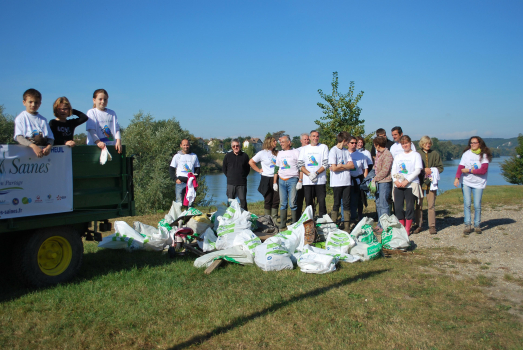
pixel 100 263
pixel 240 321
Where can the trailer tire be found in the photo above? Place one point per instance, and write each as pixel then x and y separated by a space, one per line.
pixel 48 256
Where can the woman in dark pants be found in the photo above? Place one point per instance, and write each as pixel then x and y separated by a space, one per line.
pixel 405 170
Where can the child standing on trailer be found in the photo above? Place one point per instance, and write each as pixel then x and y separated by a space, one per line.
pixel 102 126
pixel 31 129
pixel 63 128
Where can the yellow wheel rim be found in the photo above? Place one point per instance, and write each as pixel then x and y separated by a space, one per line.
pixel 54 255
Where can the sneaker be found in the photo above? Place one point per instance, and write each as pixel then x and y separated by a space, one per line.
pixel 477 230
pixel 432 230
pixel 467 230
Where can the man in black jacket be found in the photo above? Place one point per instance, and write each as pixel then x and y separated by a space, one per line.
pixel 236 168
pixel 380 133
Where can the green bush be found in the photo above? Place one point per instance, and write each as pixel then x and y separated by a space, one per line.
pixel 153 144
pixel 512 169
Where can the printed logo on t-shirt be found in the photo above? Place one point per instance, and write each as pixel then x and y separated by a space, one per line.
pixel 64 130
pixel 285 164
pixel 35 133
pixel 186 168
pixel 108 135
pixel 273 162
pixel 403 169
pixel 475 166
pixel 312 161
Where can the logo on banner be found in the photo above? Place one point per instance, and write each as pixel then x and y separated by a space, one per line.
pixel 26 200
pixel 38 199
pixel 15 201
pixel 49 199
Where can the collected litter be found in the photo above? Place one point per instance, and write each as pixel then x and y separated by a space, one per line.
pixel 232 234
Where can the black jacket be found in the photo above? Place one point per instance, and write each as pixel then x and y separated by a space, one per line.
pixel 236 168
pixel 373 149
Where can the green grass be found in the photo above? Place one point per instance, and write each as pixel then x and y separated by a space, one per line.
pixel 144 300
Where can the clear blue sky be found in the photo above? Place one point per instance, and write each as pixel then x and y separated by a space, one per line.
pixel 448 69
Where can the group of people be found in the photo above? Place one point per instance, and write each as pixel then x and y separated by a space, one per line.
pixel 402 175
pixel 32 129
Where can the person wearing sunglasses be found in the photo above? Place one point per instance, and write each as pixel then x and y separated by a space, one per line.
pixel 472 174
pixel 236 168
pixel 357 175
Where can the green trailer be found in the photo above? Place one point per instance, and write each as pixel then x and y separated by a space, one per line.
pixel 48 249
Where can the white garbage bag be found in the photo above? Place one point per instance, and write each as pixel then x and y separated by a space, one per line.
pixel 357 229
pixel 125 237
pixel 339 241
pixel 272 256
pixel 348 258
pixel 174 212
pixel 366 251
pixel 235 254
pixel 394 235
pixel 154 239
pixel 105 156
pixel 326 226
pixel 317 263
pixel 245 238
pixel 208 242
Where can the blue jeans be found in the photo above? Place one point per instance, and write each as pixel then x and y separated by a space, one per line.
pixel 180 192
pixel 477 193
pixel 288 191
pixel 383 194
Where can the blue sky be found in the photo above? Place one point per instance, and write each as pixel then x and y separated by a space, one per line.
pixel 449 69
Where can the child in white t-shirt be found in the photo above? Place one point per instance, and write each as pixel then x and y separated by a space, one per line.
pixel 102 127
pixel 31 129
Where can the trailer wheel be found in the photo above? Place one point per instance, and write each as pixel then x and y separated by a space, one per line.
pixel 48 256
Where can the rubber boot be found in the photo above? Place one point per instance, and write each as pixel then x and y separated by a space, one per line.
pixel 266 212
pixel 294 216
pixel 408 224
pixel 274 214
pixel 402 222
pixel 283 217
pixel 346 225
pixel 334 216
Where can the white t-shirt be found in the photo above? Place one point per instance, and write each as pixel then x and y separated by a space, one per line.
pixel 367 155
pixel 267 160
pixel 406 164
pixel 471 161
pixel 339 156
pixel 360 163
pixel 185 163
pixel 287 162
pixel 104 124
pixel 315 157
pixel 29 125
pixel 396 149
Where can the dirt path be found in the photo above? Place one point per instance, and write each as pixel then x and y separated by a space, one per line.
pixel 494 257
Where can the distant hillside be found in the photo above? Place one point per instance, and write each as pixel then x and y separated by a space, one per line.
pixel 491 142
pixel 499 147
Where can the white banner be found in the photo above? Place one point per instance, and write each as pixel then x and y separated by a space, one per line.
pixel 34 186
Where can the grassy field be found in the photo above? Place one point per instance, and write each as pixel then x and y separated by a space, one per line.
pixel 144 300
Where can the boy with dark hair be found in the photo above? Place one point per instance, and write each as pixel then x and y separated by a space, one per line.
pixel 31 129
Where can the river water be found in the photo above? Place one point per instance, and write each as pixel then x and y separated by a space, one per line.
pixel 217 183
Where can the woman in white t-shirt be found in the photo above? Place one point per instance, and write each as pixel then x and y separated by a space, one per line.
pixel 267 158
pixel 472 173
pixel 405 170
pixel 102 126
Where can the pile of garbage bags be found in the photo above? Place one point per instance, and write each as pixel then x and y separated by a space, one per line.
pixel 228 235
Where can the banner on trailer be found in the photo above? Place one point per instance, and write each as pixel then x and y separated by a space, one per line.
pixel 35 186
